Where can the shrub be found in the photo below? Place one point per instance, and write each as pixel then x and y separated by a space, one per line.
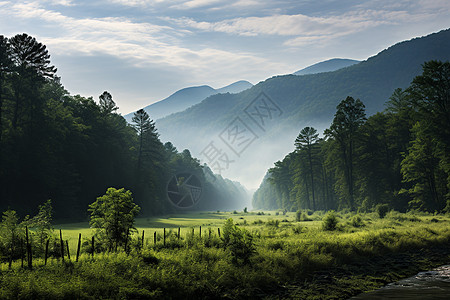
pixel 238 241
pixel 301 216
pixel 382 210
pixel 357 221
pixel 297 229
pixel 274 223
pixel 330 221
pixel 245 210
pixel 149 258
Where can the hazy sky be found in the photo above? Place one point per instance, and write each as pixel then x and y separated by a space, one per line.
pixel 144 50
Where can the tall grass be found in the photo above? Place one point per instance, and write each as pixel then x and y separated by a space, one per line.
pixel 285 253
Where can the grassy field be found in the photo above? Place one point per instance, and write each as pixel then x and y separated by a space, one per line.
pixel 291 259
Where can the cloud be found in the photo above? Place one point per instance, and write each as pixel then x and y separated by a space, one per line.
pixel 192 4
pixel 140 44
pixel 284 25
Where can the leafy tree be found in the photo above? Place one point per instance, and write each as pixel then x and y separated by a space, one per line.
pixel 421 168
pixel 42 222
pixel 430 93
pixel 10 233
pixel 350 115
pixel 113 215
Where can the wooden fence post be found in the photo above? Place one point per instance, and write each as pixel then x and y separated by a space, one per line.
pixel 154 238
pixel 79 246
pixel 93 248
pixel 62 244
pixel 200 231
pixel 164 236
pixel 29 255
pixel 142 239
pixel 218 230
pixel 178 232
pixel 46 251
pixel 21 251
pixel 68 252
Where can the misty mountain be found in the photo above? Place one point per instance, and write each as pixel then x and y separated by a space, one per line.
pixel 187 97
pixel 327 66
pixel 211 127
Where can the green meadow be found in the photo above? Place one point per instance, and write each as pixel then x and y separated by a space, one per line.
pixel 291 256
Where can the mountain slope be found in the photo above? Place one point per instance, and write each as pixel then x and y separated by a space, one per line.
pixel 187 97
pixel 308 100
pixel 327 66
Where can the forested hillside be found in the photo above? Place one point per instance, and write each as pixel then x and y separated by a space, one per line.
pixel 327 66
pixel 308 100
pixel 70 149
pixel 184 98
pixel 397 159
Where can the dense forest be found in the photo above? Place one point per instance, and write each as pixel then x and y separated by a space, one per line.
pixel 398 158
pixel 70 149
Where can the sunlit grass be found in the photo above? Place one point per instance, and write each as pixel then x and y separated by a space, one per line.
pixel 287 252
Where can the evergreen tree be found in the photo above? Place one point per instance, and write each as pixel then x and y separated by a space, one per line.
pixel 350 115
pixel 306 140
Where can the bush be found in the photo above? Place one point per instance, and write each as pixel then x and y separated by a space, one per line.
pixel 301 216
pixel 297 229
pixel 357 221
pixel 382 210
pixel 330 221
pixel 274 223
pixel 238 241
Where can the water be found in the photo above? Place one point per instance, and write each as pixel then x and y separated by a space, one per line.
pixel 433 284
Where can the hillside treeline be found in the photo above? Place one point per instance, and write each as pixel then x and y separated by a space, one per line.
pixel 398 158
pixel 70 149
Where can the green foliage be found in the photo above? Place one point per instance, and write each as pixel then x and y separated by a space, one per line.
pixel 239 241
pixel 399 157
pixel 289 254
pixel 245 210
pixel 42 222
pixel 357 221
pixel 330 221
pixel 382 210
pixel 113 216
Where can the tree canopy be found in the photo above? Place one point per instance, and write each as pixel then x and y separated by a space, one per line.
pixel 398 158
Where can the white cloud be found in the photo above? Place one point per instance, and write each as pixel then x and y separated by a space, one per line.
pixel 284 25
pixel 141 44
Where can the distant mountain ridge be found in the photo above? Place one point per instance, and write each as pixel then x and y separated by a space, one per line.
pixel 327 66
pixel 184 98
pixel 304 100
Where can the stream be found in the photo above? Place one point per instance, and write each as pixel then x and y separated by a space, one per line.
pixel 433 284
